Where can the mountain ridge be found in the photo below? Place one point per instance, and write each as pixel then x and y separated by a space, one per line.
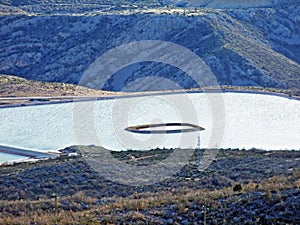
pixel 71 7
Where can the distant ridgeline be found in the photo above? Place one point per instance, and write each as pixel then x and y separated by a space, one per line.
pixel 222 4
pixel 225 4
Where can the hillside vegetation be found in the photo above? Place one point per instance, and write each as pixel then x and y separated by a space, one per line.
pixel 239 187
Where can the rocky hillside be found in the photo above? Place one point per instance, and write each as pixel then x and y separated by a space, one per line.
pixel 226 4
pixel 243 47
pixel 82 5
pixel 73 6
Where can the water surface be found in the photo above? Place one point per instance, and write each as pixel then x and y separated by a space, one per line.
pixel 250 121
pixel 8 157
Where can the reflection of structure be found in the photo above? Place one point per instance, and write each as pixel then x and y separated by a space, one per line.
pixel 152 128
pixel 27 153
pixel 163 128
pixel 198 151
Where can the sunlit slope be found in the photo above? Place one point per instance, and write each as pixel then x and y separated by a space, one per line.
pixel 12 86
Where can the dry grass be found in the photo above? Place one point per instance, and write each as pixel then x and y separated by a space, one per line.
pixel 12 86
pixel 131 208
pixel 276 183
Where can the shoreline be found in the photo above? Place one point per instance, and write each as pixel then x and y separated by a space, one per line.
pixel 52 156
pixel 35 101
pixel 31 155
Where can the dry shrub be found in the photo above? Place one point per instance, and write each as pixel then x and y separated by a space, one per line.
pixel 275 183
pixel 296 173
pixel 250 186
pixel 297 183
pixel 136 216
pixel 237 187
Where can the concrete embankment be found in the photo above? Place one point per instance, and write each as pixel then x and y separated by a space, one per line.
pixel 26 153
pixel 9 102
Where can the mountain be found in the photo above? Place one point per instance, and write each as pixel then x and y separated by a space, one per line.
pixel 242 47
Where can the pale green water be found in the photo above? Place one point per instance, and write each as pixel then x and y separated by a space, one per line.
pixel 8 157
pixel 249 121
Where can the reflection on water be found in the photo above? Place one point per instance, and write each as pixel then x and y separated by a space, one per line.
pixel 8 157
